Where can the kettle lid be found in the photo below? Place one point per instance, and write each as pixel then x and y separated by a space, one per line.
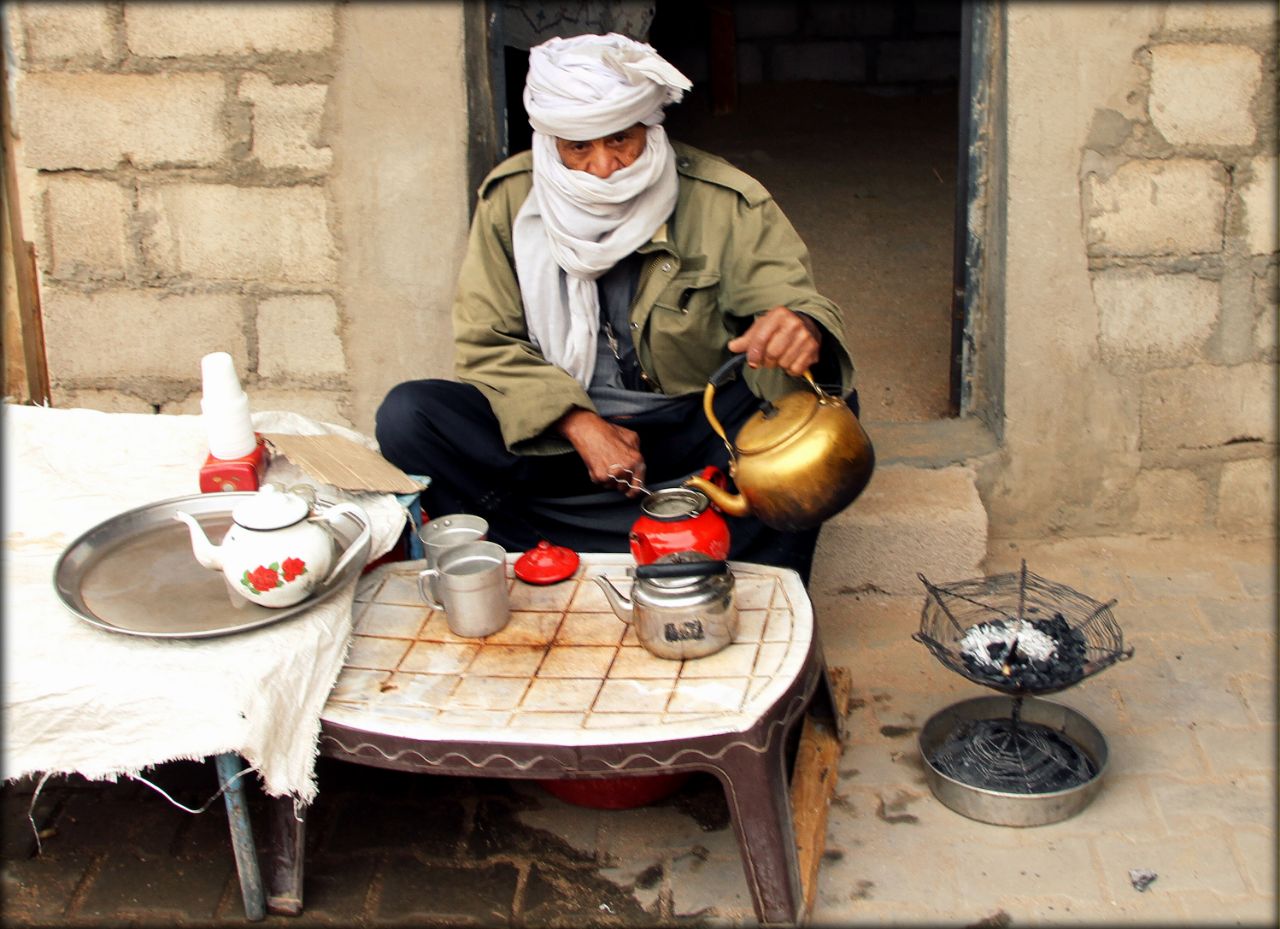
pixel 777 421
pixel 674 503
pixel 272 507
pixel 546 564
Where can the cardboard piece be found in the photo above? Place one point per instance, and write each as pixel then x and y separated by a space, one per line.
pixel 336 460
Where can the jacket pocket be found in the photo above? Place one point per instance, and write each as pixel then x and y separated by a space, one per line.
pixel 687 331
pixel 690 293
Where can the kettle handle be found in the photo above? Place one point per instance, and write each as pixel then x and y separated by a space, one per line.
pixel 723 375
pixel 682 569
pixel 715 476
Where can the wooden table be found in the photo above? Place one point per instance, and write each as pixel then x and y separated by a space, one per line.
pixel 566 691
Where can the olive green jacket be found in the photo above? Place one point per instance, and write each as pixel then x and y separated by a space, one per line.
pixel 726 254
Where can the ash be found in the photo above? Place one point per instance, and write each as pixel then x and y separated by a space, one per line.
pixel 1031 641
pixel 1020 654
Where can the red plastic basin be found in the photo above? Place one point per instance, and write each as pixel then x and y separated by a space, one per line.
pixel 616 793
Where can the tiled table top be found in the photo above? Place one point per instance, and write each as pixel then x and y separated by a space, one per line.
pixel 565 670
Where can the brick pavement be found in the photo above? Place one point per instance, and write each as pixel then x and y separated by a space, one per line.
pixel 1190 794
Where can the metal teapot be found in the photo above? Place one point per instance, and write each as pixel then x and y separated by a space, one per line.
pixel 796 463
pixel 276 553
pixel 679 519
pixel 681 605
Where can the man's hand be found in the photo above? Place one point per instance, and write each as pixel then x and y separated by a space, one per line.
pixel 780 338
pixel 608 451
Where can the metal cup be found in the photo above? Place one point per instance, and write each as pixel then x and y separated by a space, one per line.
pixel 472 579
pixel 443 533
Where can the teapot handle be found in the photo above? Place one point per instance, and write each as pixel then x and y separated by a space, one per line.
pixel 723 375
pixel 360 516
pixel 682 569
pixel 715 476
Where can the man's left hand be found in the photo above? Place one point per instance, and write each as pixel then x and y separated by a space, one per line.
pixel 780 338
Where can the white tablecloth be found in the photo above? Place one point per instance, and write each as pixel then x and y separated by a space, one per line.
pixel 78 698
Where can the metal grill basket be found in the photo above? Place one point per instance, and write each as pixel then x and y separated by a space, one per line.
pixel 1082 627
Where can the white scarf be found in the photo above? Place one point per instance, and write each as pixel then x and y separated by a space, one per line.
pixel 574 226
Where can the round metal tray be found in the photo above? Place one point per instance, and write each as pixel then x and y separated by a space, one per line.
pixel 136 574
pixel 1012 809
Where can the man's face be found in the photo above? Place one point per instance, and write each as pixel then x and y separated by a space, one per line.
pixel 601 157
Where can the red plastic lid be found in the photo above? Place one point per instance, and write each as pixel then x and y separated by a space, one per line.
pixel 546 564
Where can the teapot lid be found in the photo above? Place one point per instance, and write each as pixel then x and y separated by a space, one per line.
pixel 674 503
pixel 546 564
pixel 272 507
pixel 777 422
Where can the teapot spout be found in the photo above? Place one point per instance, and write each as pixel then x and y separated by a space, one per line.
pixel 621 605
pixel 729 504
pixel 206 552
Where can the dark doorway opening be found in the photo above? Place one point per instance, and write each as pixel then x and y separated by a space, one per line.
pixel 848 114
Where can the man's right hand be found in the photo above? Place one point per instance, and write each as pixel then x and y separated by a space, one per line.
pixel 610 452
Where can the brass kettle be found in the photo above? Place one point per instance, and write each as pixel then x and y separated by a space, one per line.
pixel 796 462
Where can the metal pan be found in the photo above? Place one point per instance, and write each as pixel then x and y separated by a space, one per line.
pixel 998 807
pixel 135 573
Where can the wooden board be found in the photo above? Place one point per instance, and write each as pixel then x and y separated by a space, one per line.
pixel 812 785
pixel 26 371
pixel 337 460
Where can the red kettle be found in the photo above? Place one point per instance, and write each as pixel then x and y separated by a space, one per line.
pixel 680 519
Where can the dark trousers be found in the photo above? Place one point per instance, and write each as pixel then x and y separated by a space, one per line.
pixel 446 431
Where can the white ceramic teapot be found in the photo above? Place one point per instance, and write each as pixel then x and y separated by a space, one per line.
pixel 276 553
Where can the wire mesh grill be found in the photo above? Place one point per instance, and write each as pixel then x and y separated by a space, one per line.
pixel 1019 633
pixel 1013 756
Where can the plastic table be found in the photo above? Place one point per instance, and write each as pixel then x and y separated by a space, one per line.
pixel 566 691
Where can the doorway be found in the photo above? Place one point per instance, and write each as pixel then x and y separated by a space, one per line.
pixel 849 115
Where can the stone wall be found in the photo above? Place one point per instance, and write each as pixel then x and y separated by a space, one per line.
pixel 1140 286
pixel 288 182
pixel 197 179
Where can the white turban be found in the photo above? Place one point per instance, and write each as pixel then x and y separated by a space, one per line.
pixel 591 85
pixel 574 227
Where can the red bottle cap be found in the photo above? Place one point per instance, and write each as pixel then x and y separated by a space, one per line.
pixel 546 564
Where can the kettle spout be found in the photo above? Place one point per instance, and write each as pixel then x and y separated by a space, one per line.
pixel 729 504
pixel 620 604
pixel 205 551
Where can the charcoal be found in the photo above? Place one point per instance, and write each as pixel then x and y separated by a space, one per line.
pixel 1031 675
pixel 1141 878
pixel 1019 633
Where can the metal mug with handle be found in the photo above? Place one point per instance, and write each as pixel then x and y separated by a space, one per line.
pixel 444 532
pixel 473 585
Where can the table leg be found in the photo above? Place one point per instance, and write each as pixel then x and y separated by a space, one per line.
pixel 760 806
pixel 229 767
pixel 288 827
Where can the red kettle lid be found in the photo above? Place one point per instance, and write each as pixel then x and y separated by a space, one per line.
pixel 546 564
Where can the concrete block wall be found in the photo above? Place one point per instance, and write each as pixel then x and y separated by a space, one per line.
pixel 1180 215
pixel 176 175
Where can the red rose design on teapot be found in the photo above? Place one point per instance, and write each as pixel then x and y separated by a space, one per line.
pixel 261 579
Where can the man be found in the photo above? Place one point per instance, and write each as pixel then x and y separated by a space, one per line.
pixel 608 273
